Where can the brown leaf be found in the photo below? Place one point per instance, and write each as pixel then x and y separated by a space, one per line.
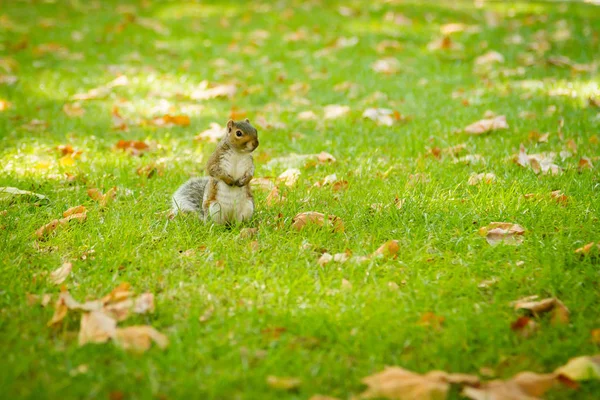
pixel 581 368
pixel 171 120
pixel 400 384
pixel 587 248
pixel 139 338
pixel 431 320
pixel 212 134
pixel 523 386
pixel 325 259
pixel 489 58
pixel 560 197
pixel 73 109
pixel 324 157
pixel 102 199
pixel 585 163
pixel 503 232
pixel 74 210
pixel 487 125
pixel 96 327
pixel 476 179
pixel 204 92
pixel 150 170
pixel 283 383
pixel 315 218
pixel 59 275
pixel 560 313
pixel 388 249
pixel 134 147
pixel 274 197
pixel 49 227
pixel 524 326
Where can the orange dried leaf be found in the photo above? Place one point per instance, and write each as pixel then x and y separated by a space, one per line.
pixel 59 275
pixel 586 249
pixel 49 227
pixel 487 125
pixel 139 338
pixel 388 249
pixel 316 218
pixel 74 210
pixel 523 386
pixel 96 327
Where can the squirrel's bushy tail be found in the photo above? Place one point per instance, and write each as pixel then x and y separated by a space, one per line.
pixel 189 196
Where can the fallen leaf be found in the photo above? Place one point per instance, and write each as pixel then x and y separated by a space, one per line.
pixel 133 147
pixel 102 199
pixel 73 109
pixel 171 120
pixel 7 192
pixel 444 43
pixel 59 275
pixel 212 134
pixel 144 303
pixel 585 163
pixel 283 383
pixel 383 116
pixel 118 122
pixel 431 320
pixel 307 116
pixel 324 157
pixel 487 125
pixel 139 338
pixel 274 197
pixel 335 111
pixel 325 259
pixel 586 249
pixel 581 368
pixel 388 249
pixel 491 57
pixel 96 327
pixel 476 179
pixel 289 177
pixel 74 210
pixel 308 218
pixel 204 92
pixel 560 313
pixel 560 197
pixel 503 232
pixel 524 326
pixel 387 66
pixel 400 384
pixel 523 386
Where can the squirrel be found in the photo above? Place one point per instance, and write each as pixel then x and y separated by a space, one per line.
pixel 224 196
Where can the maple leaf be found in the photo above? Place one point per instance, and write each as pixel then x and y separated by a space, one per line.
pixel 487 125
pixel 503 232
pixel 139 338
pixel 59 275
pixel 302 220
pixel 283 383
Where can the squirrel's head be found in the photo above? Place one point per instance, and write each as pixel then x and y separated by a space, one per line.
pixel 242 136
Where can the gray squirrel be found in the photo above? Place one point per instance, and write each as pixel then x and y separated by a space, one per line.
pixel 224 196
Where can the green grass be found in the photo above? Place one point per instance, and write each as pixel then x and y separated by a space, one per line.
pixel 333 336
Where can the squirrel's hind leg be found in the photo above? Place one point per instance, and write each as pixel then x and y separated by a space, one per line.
pixel 188 198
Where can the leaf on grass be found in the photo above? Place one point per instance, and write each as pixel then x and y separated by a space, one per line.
pixel 274 197
pixel 487 125
pixel 524 326
pixel 388 249
pixel 487 178
pixel 401 384
pixel 585 163
pixel 212 134
pixel 523 386
pixel 289 177
pixel 387 66
pixel 8 192
pixel 51 226
pixel 538 162
pixel 59 275
pixel 150 170
pixel 309 218
pixel 33 299
pixel 585 250
pixel 74 210
pixel 204 92
pixel 307 116
pixel 444 43
pixel 139 338
pixel 431 320
pixel 102 199
pixel 283 383
pixel 491 57
pixel 503 232
pixel 133 147
pixel 383 116
pixel 325 259
pixel 560 313
pixel 335 111
pixel 171 120
pixel 581 368
pixel 73 109
pixel 96 327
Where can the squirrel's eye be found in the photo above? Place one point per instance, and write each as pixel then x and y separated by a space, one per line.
pixel 238 133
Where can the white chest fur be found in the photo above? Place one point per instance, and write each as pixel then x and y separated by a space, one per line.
pixel 236 164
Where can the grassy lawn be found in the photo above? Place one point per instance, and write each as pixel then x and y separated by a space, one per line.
pixel 238 309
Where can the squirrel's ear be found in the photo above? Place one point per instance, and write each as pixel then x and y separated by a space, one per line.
pixel 229 124
pixel 247 120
